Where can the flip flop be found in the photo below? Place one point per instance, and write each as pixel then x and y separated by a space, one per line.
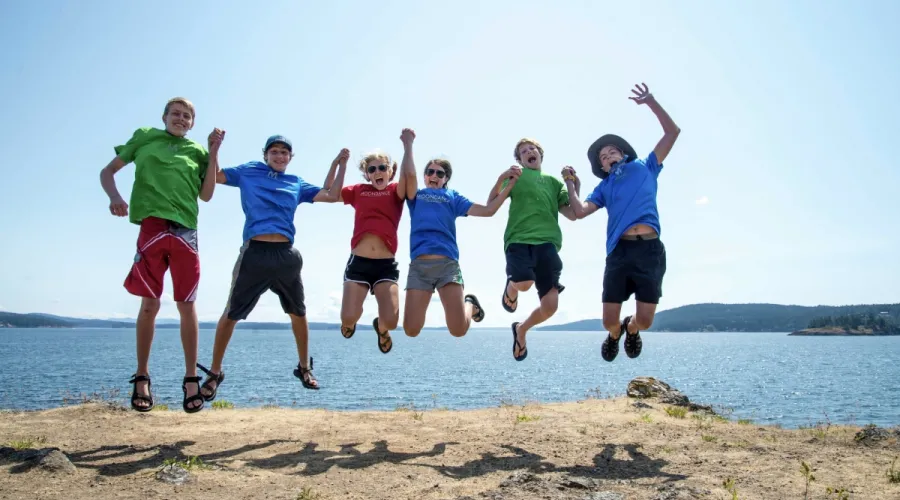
pixel 506 296
pixel 633 343
pixel 523 353
pixel 382 335
pixel 474 301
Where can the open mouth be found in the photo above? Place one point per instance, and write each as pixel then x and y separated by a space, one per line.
pixel 379 182
pixel 532 158
pixel 433 183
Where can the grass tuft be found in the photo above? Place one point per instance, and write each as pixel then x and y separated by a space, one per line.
pixel 222 404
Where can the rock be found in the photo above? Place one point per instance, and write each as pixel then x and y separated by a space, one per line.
pixel 173 474
pixel 872 434
pixel 56 461
pixel 577 482
pixel 604 495
pixel 649 387
pixel 518 478
pixel 641 405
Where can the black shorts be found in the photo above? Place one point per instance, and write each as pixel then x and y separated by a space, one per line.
pixel 538 263
pixel 262 266
pixel 635 266
pixel 370 272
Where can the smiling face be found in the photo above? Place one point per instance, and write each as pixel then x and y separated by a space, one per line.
pixel 609 156
pixel 437 174
pixel 179 118
pixel 529 154
pixel 377 170
pixel 278 156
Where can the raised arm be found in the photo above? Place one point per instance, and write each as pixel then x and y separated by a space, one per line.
pixel 670 130
pixel 117 205
pixel 334 182
pixel 212 169
pixel 576 209
pixel 499 193
pixel 407 184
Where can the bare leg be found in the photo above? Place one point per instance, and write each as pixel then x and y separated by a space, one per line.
pixel 388 296
pixel 224 331
pixel 146 321
pixel 513 289
pixel 414 311
pixel 457 311
pixel 643 317
pixel 190 332
pixel 300 327
pixel 611 318
pixel 352 306
pixel 547 308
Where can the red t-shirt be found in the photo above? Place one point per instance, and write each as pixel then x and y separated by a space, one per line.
pixel 377 212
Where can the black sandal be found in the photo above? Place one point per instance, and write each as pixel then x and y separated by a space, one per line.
pixel 135 397
pixel 348 332
pixel 633 342
pixel 474 301
pixel 305 375
pixel 382 336
pixel 610 348
pixel 195 397
pixel 522 353
pixel 218 378
pixel 506 297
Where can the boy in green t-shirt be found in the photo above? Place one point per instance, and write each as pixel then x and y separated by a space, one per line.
pixel 533 239
pixel 171 172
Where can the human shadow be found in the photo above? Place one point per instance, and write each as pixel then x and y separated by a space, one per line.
pixel 347 457
pixel 490 462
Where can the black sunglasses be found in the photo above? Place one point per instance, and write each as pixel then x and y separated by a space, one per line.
pixel 440 173
pixel 372 168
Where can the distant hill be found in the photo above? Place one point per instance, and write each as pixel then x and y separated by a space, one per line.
pixel 41 320
pixel 739 317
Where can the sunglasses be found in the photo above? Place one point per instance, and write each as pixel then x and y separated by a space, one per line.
pixel 440 173
pixel 380 168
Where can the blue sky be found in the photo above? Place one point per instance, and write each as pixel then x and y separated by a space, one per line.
pixel 781 189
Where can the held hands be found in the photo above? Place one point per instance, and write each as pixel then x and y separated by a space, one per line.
pixel 568 174
pixel 215 139
pixel 342 157
pixel 118 207
pixel 407 137
pixel 512 173
pixel 642 95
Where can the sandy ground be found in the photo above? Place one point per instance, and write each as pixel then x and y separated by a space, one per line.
pixel 592 449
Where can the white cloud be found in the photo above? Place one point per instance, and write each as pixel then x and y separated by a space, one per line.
pixel 703 200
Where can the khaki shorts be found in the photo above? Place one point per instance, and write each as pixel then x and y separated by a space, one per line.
pixel 430 274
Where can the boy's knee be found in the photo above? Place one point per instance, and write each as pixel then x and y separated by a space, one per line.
pixel 458 330
pixel 523 286
pixel 388 323
pixel 150 306
pixel 185 307
pixel 643 321
pixel 411 331
pixel 611 324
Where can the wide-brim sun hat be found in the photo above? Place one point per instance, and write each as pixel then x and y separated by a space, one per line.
pixel 607 140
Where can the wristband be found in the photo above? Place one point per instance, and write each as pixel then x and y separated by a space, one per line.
pixel 569 178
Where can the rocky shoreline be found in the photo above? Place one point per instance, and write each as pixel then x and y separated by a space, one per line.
pixel 846 332
pixel 653 444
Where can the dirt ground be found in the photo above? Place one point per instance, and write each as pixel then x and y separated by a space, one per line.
pixel 592 450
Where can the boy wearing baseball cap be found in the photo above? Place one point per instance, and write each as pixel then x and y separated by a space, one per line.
pixel 636 257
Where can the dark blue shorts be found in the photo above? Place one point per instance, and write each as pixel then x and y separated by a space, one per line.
pixel 538 263
pixel 635 267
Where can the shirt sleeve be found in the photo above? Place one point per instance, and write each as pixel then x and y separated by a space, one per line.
pixel 233 174
pixel 461 204
pixel 596 197
pixel 307 192
pixel 126 152
pixel 348 194
pixel 653 164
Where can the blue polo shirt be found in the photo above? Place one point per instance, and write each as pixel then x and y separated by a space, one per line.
pixel 629 195
pixel 433 214
pixel 269 198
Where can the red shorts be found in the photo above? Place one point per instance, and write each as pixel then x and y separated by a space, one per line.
pixel 165 245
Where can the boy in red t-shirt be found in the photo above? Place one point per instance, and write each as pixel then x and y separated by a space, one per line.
pixel 371 267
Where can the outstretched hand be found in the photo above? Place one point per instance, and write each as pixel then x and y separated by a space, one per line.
pixel 407 137
pixel 641 95
pixel 512 173
pixel 215 139
pixel 342 157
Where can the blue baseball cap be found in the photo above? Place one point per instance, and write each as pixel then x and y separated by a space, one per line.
pixel 278 138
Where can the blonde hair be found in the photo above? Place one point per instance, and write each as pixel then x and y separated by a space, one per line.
pixel 378 155
pixel 183 101
pixel 527 140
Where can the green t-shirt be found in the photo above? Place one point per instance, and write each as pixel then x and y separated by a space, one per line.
pixel 167 177
pixel 534 209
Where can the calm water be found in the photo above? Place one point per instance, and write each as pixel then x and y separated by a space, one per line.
pixel 769 377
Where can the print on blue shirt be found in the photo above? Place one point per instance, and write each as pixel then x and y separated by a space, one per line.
pixel 433 214
pixel 629 195
pixel 269 198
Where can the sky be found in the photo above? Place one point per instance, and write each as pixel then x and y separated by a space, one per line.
pixel 782 187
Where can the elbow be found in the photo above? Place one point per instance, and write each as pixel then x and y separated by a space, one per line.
pixel 206 197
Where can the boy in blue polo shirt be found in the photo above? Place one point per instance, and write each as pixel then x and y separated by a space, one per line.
pixel 636 257
pixel 268 260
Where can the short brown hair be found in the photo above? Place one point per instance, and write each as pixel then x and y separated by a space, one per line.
pixel 378 155
pixel 183 101
pixel 527 140
pixel 445 164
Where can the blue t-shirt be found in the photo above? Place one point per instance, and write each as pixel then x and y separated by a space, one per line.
pixel 629 195
pixel 269 198
pixel 433 214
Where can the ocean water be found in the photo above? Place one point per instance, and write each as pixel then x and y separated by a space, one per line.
pixel 768 377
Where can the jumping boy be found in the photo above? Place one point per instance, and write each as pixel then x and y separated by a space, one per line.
pixel 533 239
pixel 171 172
pixel 268 260
pixel 636 257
